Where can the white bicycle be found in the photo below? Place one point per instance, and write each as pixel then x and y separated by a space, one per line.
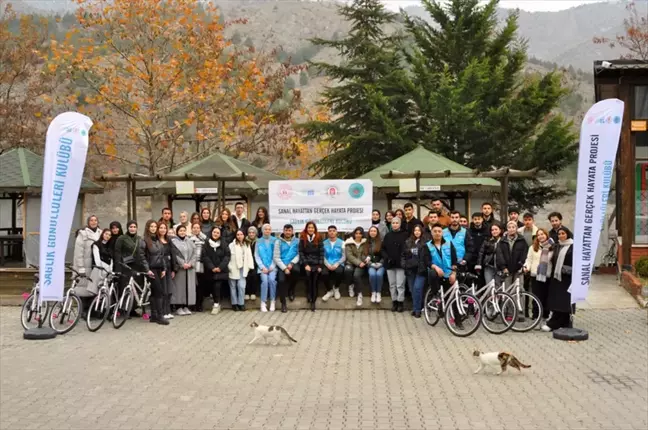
pixel 134 295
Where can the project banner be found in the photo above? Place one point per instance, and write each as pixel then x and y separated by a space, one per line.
pixel 599 140
pixel 344 203
pixel 66 147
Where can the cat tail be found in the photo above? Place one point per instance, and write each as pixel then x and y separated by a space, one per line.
pixel 515 360
pixel 283 330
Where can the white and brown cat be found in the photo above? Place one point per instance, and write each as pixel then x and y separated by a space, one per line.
pixel 498 360
pixel 274 333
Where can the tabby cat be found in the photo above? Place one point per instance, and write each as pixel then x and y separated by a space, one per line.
pixel 274 332
pixel 499 360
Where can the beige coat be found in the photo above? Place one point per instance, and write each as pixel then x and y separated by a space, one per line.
pixel 533 260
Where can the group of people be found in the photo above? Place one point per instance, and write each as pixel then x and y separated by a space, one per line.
pixel 202 255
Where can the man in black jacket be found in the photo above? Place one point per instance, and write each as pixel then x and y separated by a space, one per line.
pixel 238 217
pixel 410 220
pixel 392 250
pixel 478 232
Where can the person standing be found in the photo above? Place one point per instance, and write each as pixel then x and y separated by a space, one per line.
pixel 439 208
pixel 463 221
pixel 85 238
pixel 311 254
pixel 261 218
pixel 460 238
pixel 511 254
pixel 555 218
pixel 215 258
pixel 184 221
pixel 168 285
pixel 126 248
pixel 410 220
pixel 334 259
pixel 184 284
pixel 238 218
pixel 267 267
pixel 206 223
pixel 389 216
pixel 431 220
pixel 102 261
pixel 227 226
pixel 487 258
pixel 286 256
pixel 152 259
pixel 559 299
pixel 529 230
pixel 355 250
pixel 439 258
pixel 195 219
pixel 538 266
pixel 252 282
pixel 378 222
pixel 415 269
pixel 375 267
pixel 167 219
pixel 115 232
pixel 514 215
pixel 489 217
pixel 198 238
pixel 241 262
pixel 479 233
pixel 392 249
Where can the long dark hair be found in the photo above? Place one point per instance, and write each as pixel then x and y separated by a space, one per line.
pixel 377 242
pixel 148 238
pixel 266 218
pixel 209 214
pixel 412 238
pixel 99 242
pixel 304 235
pixel 230 222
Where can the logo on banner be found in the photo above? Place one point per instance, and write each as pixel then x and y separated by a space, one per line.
pixel 594 119
pixel 285 192
pixel 332 192
pixel 356 190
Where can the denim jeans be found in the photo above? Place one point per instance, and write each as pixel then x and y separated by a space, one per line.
pixel 237 289
pixel 416 283
pixel 268 280
pixel 376 278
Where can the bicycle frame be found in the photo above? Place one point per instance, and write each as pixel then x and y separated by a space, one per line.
pixel 513 289
pixel 453 290
pixel 139 292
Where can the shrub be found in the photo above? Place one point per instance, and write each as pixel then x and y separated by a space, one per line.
pixel 641 267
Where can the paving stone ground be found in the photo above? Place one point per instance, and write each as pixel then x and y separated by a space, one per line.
pixel 350 370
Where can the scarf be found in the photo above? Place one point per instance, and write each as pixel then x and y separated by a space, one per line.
pixel 213 244
pixel 560 261
pixel 545 261
pixel 239 255
pixel 310 237
pixel 511 241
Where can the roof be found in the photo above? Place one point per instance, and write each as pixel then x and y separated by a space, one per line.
pixel 221 165
pixel 428 162
pixel 21 170
pixel 616 68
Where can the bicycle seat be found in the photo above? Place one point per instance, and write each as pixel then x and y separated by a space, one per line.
pixel 36 276
pixel 471 276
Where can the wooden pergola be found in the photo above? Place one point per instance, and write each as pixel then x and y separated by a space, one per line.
pixel 504 174
pixel 131 181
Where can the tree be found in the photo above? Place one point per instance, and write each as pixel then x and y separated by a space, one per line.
pixel 237 38
pixel 635 39
pixel 290 83
pixel 165 86
pixel 23 115
pixel 472 102
pixel 366 108
pixel 303 78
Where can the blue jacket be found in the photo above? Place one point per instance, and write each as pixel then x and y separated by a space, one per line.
pixel 286 252
pixel 444 259
pixel 264 253
pixel 458 240
pixel 334 252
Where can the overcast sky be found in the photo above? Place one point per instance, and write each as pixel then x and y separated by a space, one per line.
pixel 528 5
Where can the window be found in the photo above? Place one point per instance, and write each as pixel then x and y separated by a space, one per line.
pixel 641 202
pixel 641 102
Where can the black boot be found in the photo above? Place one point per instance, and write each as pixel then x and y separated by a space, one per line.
pixel 235 308
pixel 394 307
pixel 401 307
pixel 284 308
pixel 313 306
pixel 159 305
pixel 291 293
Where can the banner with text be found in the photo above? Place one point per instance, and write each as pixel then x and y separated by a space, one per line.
pixel 66 147
pixel 344 203
pixel 599 140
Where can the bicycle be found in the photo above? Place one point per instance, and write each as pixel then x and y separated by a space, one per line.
pixel 33 311
pixel 523 299
pixel 499 307
pixel 133 294
pixel 436 307
pixel 67 312
pixel 104 303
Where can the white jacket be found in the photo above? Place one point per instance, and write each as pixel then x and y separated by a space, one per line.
pixel 533 260
pixel 83 249
pixel 241 258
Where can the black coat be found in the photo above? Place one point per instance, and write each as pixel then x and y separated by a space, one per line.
pixel 489 223
pixel 511 259
pixel 311 253
pixel 152 257
pixel 412 257
pixel 227 234
pixel 486 257
pixel 408 226
pixel 373 257
pixel 213 258
pixel 392 248
pixel 126 246
pixel 245 224
pixel 478 235
pixel 559 298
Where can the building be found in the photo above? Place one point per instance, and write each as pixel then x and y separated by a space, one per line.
pixel 627 80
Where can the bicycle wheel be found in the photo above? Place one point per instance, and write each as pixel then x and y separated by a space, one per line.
pixel 500 313
pixel 431 309
pixel 66 314
pixel 32 313
pixel 123 309
pixel 526 302
pixel 456 321
pixel 98 311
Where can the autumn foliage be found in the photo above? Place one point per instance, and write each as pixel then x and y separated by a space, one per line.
pixel 164 84
pixel 635 39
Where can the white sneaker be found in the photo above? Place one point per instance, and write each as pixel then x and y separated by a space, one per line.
pixel 327 296
pixel 336 293
pixel 373 297
pixel 541 323
pixel 180 312
pixel 351 292
pixel 170 316
pixel 215 309
pixel 378 298
pixel 546 328
pixel 272 306
pixel 247 297
pixel 263 307
pixel 359 301
pixel 167 316
pixel 253 297
pixel 186 310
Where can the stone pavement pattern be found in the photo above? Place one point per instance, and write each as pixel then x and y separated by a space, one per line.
pixel 355 370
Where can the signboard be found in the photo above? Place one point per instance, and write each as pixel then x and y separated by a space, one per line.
pixel 409 186
pixel 641 125
pixel 430 188
pixel 346 204
pixel 187 187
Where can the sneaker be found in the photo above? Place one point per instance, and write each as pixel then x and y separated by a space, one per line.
pixel 215 309
pixel 545 328
pixel 378 298
pixel 252 296
pixel 186 310
pixel 167 316
pixel 359 300
pixel 272 306
pixel 247 297
pixel 373 297
pixel 180 312
pixel 351 292
pixel 336 293
pixel 328 295
pixel 170 315
pixel 540 324
pixel 263 307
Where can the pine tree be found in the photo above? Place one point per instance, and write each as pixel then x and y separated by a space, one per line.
pixel 368 110
pixel 474 104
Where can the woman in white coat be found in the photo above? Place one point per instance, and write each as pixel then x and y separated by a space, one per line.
pixel 83 252
pixel 241 262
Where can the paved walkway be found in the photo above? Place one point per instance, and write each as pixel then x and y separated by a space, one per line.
pixel 606 293
pixel 350 369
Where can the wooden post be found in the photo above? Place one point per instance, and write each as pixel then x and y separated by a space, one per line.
pixel 418 194
pixel 134 199
pixel 504 198
pixel 14 212
pixel 625 182
pixel 468 212
pixel 129 214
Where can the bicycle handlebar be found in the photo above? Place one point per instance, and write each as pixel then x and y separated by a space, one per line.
pixel 107 271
